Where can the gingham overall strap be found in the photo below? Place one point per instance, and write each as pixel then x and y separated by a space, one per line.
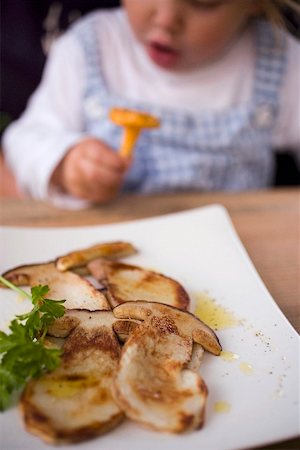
pixel 270 63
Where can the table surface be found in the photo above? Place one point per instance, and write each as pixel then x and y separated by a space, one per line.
pixel 268 223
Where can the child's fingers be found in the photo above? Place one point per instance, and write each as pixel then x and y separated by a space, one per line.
pixel 100 175
pixel 103 155
pixel 93 171
pixel 96 183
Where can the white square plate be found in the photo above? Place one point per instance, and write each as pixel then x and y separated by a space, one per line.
pixel 201 250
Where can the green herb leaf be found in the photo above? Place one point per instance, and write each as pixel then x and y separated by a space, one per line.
pixel 23 355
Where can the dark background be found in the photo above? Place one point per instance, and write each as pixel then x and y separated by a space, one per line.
pixel 22 56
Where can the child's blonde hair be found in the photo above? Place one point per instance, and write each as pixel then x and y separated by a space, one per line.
pixel 274 10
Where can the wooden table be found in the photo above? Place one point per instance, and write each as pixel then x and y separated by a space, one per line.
pixel 268 223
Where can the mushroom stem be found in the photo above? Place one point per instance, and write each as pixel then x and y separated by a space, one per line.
pixel 130 137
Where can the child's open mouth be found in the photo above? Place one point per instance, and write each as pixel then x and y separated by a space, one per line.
pixel 162 55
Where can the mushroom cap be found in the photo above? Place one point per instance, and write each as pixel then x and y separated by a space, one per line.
pixel 76 290
pixel 186 322
pixel 126 282
pixel 108 250
pixel 130 118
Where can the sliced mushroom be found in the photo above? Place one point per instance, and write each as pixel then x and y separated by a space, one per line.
pixel 74 402
pixel 153 384
pixel 77 291
pixel 196 358
pixel 108 250
pixel 124 328
pixel 126 282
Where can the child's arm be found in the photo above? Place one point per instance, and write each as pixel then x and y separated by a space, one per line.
pixel 37 143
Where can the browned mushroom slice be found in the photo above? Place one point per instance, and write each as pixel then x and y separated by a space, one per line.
pixel 77 291
pixel 108 250
pixel 154 385
pixel 124 328
pixel 126 282
pixel 196 358
pixel 75 402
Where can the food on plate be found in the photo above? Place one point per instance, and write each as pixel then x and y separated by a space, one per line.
pixel 139 359
pixel 133 123
pixel 97 384
pixel 154 385
pixel 108 250
pixel 74 402
pixel 78 292
pixel 125 282
pixel 23 353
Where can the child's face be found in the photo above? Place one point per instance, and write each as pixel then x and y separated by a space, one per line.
pixel 185 34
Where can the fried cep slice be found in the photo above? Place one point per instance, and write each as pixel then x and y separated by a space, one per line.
pixel 196 358
pixel 153 384
pixel 77 291
pixel 133 123
pixel 125 282
pixel 74 402
pixel 109 250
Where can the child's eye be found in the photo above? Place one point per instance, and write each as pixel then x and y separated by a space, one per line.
pixel 205 4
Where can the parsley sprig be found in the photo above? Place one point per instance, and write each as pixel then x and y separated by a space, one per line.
pixel 23 354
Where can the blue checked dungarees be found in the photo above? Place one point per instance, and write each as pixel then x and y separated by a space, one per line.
pixel 228 150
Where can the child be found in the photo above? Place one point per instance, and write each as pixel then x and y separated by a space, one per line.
pixel 223 82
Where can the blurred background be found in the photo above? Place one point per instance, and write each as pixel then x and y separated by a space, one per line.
pixel 28 27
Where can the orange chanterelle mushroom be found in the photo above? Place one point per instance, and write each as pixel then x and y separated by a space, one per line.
pixel 133 123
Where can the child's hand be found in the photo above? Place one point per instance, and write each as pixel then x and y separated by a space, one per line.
pixel 92 171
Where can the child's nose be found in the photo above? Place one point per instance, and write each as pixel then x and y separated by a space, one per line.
pixel 168 15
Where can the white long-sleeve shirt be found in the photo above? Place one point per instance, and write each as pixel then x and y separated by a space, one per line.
pixel 52 121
